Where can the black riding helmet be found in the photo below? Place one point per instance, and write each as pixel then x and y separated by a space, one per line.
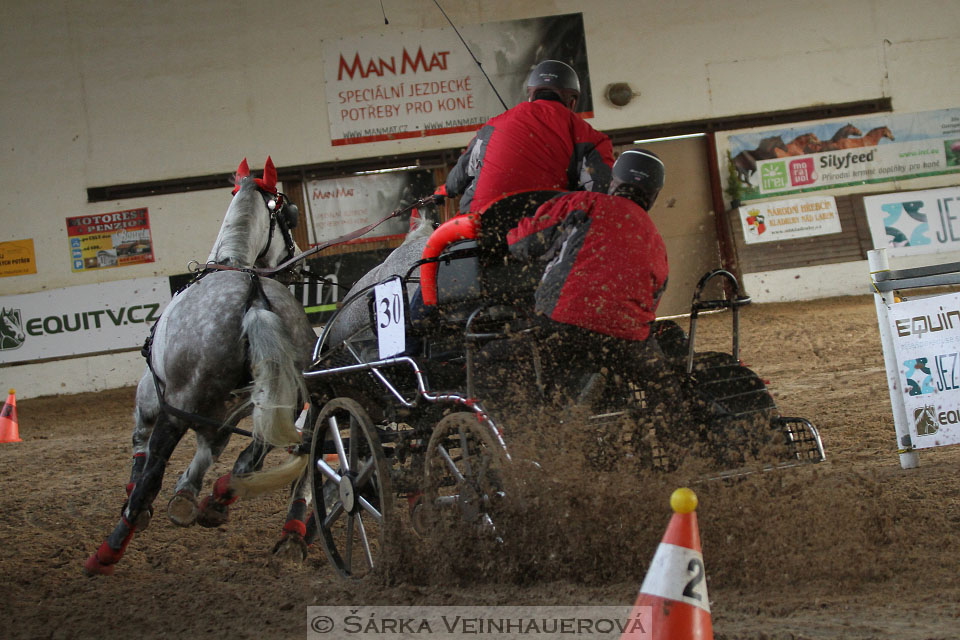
pixel 556 77
pixel 637 175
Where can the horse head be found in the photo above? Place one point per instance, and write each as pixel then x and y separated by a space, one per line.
pixel 10 325
pixel 880 132
pixel 845 131
pixel 256 229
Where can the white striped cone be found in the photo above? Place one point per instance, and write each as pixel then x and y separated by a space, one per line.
pixel 675 586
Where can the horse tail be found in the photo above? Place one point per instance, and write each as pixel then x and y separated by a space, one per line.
pixel 253 484
pixel 277 380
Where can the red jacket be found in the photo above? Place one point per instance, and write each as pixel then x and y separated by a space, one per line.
pixel 533 146
pixel 608 263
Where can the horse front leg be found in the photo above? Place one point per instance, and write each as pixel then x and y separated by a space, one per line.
pixel 163 441
pixel 184 508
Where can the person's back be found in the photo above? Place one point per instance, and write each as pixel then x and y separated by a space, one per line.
pixel 608 268
pixel 541 144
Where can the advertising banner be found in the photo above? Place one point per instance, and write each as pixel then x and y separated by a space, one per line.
pixel 90 318
pixel 114 239
pixel 909 223
pixel 926 337
pixel 406 84
pixel 341 205
pixel 863 150
pixel 17 258
pixel 789 219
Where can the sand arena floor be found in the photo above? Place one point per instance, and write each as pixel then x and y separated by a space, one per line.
pixel 854 548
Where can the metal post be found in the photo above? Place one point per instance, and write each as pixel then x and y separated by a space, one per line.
pixel 909 459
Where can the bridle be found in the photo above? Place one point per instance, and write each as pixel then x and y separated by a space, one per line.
pixel 284 214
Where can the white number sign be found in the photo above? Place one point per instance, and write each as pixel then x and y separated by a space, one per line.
pixel 391 337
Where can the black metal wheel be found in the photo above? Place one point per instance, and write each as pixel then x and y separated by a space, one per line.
pixel 350 480
pixel 463 473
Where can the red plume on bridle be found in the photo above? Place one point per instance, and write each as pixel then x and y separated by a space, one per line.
pixel 267 183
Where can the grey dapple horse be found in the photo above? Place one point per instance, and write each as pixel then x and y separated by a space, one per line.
pixel 228 345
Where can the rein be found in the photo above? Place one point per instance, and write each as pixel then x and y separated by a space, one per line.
pixel 257 288
pixel 283 266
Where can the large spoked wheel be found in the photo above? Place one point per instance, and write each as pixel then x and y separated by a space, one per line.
pixel 351 488
pixel 464 473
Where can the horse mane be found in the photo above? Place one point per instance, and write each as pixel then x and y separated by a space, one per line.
pixel 234 245
pixel 421 229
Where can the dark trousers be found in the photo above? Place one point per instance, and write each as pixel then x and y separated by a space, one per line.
pixel 570 355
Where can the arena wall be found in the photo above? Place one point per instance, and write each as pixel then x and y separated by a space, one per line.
pixel 109 92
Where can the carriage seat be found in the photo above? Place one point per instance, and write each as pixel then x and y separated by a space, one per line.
pixel 488 272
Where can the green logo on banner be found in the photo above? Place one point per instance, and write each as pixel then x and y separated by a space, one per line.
pixel 774 176
pixel 11 329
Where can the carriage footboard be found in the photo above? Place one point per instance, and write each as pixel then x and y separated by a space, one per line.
pixel 803 439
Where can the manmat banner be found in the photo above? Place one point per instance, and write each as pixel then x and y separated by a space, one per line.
pixel 926 338
pixel 842 153
pixel 789 219
pixel 341 205
pixel 407 84
pixel 108 316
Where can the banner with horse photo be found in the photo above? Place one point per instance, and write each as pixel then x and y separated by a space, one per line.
pixel 408 84
pixel 826 155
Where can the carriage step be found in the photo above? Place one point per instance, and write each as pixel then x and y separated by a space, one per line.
pixel 803 439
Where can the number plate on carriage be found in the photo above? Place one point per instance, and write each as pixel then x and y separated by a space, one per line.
pixel 391 335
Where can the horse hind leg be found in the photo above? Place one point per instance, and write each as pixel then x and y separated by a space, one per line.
pixel 184 508
pixel 292 545
pixel 298 533
pixel 293 541
pixel 162 443
pixel 215 508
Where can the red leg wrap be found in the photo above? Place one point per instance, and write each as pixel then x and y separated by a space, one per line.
pixel 222 492
pixel 101 562
pixel 295 526
pixel 130 486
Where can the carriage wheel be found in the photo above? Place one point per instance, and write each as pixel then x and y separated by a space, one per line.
pixel 350 480
pixel 463 473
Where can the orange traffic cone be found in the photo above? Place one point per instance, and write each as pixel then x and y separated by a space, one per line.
pixel 675 588
pixel 9 429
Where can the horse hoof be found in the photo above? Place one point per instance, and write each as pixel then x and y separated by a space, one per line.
pixel 182 509
pixel 142 521
pixel 212 514
pixel 291 548
pixel 93 567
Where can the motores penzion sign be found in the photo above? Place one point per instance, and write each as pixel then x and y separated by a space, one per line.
pixel 406 84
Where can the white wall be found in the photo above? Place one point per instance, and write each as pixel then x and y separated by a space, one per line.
pixel 110 92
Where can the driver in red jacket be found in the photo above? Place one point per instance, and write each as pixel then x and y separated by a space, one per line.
pixel 606 267
pixel 538 144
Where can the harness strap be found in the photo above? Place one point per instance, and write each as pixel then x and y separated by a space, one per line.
pixel 256 292
pixel 423 202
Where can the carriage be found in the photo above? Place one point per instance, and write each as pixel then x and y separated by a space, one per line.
pixel 403 404
pixel 422 406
